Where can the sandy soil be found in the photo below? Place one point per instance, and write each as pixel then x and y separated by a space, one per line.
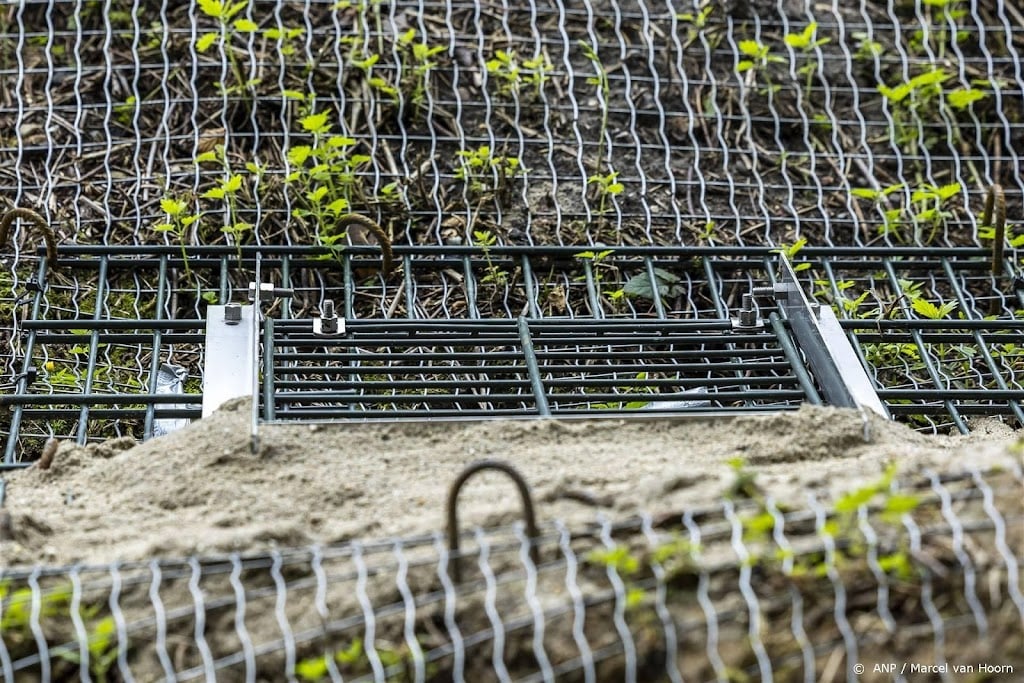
pixel 200 490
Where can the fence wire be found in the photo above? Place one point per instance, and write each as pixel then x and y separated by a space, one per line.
pixel 542 123
pixel 924 569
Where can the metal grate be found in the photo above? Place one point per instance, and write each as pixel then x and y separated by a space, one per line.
pixel 97 351
pixel 528 367
pixel 906 570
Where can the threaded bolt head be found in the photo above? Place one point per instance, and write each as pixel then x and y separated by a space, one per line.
pixel 232 313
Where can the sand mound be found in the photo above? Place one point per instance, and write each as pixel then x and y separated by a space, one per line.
pixel 201 490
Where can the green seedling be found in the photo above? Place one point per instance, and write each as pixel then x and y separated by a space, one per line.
pixel 600 80
pixel 913 103
pixel 418 61
pixel 318 668
pixel 695 22
pixel 807 42
pixel 288 39
pixel 757 59
pixel 485 240
pixel 625 564
pixel 325 176
pixel 510 75
pixel 930 310
pixel 632 388
pixel 924 210
pixel 229 25
pixel 487 174
pixel 744 484
pixel 180 222
pixel 868 49
pixel 224 196
pixel 941 17
pixel 596 263
pixel 365 64
pixel 608 186
pixel 791 251
pixel 102 647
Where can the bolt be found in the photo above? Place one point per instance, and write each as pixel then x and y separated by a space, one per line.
pixel 748 314
pixel 328 320
pixel 232 313
pixel 774 291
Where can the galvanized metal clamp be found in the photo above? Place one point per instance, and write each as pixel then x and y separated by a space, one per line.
pixel 817 331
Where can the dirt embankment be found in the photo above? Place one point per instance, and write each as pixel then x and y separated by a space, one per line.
pixel 201 490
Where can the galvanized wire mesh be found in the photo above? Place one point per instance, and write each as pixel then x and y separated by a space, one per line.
pixel 924 570
pixel 703 114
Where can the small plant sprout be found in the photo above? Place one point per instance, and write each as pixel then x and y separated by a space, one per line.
pixel 596 266
pixel 791 251
pixel 607 185
pixel 695 21
pixel 931 311
pixel 925 211
pixel 287 38
pixel 600 80
pixel 484 172
pixel 940 16
pixel 179 223
pixel 757 58
pixel 365 63
pixel 325 175
pixel 914 103
pixel 504 68
pixel 485 240
pixel 868 49
pixel 510 75
pixel 419 62
pixel 225 13
pixel 806 42
pixel 226 191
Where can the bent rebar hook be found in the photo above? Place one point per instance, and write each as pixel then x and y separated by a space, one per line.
pixel 31 216
pixel 524 494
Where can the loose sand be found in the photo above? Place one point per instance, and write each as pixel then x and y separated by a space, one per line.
pixel 200 490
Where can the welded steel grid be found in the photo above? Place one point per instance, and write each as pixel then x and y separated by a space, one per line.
pixel 97 349
pixel 528 367
pixel 823 585
pixel 107 110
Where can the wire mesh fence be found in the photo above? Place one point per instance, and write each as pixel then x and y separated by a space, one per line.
pixel 547 123
pixel 925 569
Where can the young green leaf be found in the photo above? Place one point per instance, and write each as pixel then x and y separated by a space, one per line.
pixel 204 41
pixel 964 97
pixel 172 206
pixel 930 310
pixel 245 26
pixel 315 123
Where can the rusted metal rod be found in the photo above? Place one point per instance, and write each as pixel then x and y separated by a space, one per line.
pixel 453 496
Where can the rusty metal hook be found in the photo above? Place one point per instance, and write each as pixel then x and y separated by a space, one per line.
pixel 29 215
pixel 524 493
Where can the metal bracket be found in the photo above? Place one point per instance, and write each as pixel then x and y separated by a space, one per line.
pixel 230 354
pixel 821 339
pixel 328 324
